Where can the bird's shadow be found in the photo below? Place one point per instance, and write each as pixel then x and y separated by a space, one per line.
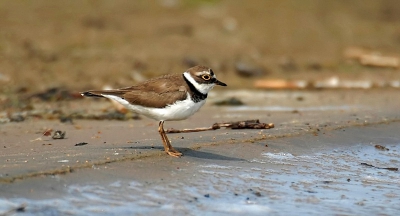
pixel 187 152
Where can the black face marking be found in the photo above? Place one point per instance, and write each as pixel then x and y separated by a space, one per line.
pixel 196 95
pixel 211 72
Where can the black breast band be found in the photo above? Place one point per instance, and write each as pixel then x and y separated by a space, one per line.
pixel 196 95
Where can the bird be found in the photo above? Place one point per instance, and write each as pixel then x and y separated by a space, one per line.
pixel 170 97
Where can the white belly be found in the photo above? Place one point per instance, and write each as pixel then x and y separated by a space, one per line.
pixel 178 111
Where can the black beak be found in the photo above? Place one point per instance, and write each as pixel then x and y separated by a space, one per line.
pixel 217 82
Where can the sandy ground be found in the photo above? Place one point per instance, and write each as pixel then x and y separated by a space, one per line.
pixel 27 152
pixel 336 128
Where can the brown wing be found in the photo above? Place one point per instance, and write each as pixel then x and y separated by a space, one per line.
pixel 157 92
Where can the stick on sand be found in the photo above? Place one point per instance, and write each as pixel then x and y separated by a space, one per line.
pixel 247 124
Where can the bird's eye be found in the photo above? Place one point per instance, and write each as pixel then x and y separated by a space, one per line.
pixel 206 77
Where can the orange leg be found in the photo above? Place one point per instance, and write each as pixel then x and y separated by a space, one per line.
pixel 167 145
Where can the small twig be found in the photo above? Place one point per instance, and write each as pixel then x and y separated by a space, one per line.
pixel 214 127
pixel 247 124
pixel 81 144
pixel 380 147
pixel 386 168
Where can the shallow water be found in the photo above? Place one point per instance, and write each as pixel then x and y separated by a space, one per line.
pixel 333 182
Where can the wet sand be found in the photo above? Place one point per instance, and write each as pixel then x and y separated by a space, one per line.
pixel 310 162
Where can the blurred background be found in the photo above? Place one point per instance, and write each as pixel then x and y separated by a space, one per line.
pixel 80 45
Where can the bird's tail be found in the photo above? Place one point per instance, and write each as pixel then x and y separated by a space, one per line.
pixel 90 94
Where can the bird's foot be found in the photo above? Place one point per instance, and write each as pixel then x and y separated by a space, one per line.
pixel 173 152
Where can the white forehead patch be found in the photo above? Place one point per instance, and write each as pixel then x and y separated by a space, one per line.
pixel 205 72
pixel 201 73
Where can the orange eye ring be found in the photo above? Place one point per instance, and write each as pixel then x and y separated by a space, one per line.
pixel 206 77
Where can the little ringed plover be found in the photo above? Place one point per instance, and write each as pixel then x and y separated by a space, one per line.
pixel 166 98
